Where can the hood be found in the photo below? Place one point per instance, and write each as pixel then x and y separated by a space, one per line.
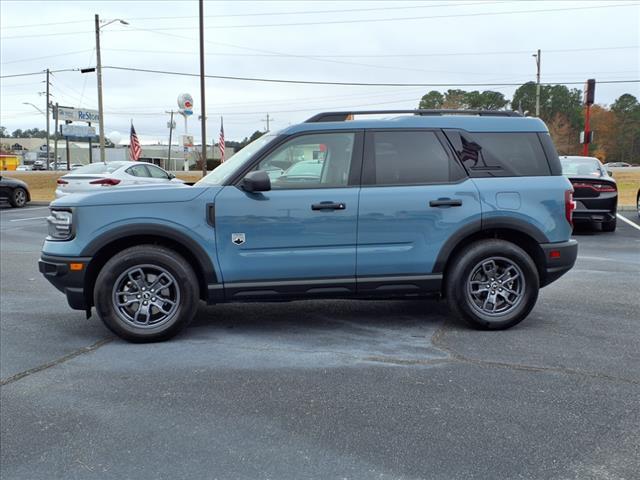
pixel 14 182
pixel 135 195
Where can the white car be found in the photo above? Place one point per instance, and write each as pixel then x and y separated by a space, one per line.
pixel 96 176
pixel 23 168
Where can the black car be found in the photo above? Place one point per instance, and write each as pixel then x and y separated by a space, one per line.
pixel 594 191
pixel 14 191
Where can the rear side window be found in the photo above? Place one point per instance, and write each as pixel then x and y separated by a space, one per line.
pixel 138 171
pixel 500 154
pixel 408 158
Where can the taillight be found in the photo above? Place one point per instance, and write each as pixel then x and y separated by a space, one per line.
pixel 569 206
pixel 61 182
pixel 106 182
pixel 598 187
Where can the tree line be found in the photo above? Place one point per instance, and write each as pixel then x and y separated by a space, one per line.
pixel 616 127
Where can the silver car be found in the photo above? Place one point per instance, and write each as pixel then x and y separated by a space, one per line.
pixel 95 176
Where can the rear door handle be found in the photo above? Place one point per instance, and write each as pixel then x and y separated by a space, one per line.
pixel 446 202
pixel 328 206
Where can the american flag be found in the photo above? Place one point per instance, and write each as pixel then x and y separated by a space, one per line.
pixel 135 150
pixel 221 141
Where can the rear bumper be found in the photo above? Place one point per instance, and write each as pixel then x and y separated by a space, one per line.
pixel 599 209
pixel 70 282
pixel 559 259
pixel 594 216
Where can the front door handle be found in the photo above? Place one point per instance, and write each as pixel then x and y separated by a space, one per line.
pixel 446 202
pixel 328 206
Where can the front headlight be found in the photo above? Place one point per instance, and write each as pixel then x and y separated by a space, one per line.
pixel 60 225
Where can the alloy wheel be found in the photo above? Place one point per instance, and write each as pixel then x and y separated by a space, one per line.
pixel 496 286
pixel 146 296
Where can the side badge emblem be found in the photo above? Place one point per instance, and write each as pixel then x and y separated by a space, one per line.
pixel 237 238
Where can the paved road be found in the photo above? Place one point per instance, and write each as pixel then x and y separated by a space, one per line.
pixel 325 389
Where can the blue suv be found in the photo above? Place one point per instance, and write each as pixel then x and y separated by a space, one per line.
pixel 471 206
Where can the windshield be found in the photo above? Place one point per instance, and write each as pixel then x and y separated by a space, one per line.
pixel 109 167
pixel 580 166
pixel 221 173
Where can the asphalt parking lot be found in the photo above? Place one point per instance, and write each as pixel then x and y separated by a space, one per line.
pixel 325 389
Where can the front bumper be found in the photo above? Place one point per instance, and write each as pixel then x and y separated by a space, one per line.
pixel 559 259
pixel 70 282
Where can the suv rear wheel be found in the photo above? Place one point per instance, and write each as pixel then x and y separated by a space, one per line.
pixel 493 285
pixel 146 293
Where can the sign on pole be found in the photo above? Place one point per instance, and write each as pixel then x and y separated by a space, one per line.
pixel 83 131
pixel 76 114
pixel 185 104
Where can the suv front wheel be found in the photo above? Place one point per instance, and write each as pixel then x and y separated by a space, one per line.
pixel 493 285
pixel 146 293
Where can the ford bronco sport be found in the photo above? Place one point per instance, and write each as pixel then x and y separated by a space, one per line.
pixel 471 206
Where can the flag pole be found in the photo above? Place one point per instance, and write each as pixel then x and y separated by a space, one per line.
pixel 203 127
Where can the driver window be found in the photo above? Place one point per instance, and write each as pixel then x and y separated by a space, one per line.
pixel 310 161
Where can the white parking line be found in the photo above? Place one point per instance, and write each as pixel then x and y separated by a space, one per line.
pixel 22 210
pixel 23 219
pixel 626 220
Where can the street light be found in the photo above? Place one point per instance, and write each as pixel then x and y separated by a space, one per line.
pixel 99 75
pixel 34 106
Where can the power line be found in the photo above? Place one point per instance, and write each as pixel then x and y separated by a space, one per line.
pixel 316 82
pixel 388 55
pixel 41 72
pixel 356 84
pixel 46 56
pixel 263 14
pixel 334 22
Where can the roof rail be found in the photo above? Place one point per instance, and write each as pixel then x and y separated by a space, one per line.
pixel 342 116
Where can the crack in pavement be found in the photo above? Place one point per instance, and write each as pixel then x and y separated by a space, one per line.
pixel 58 361
pixel 438 342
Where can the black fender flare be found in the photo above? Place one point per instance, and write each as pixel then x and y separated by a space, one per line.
pixel 478 226
pixel 145 229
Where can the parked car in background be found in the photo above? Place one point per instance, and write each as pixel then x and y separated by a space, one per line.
pixel 58 165
pixel 23 168
pixel 39 165
pixel 470 206
pixel 617 165
pixel 75 166
pixel 14 191
pixel 594 191
pixel 96 176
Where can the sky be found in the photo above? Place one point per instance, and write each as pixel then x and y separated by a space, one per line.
pixel 427 42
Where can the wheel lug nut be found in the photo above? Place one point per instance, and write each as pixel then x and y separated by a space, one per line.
pixel 153 299
pixel 144 288
pixel 152 290
pixel 137 296
pixel 145 302
pixel 499 289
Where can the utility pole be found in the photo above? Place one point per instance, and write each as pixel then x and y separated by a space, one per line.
pixel 203 124
pixel 55 141
pixel 170 136
pixel 537 82
pixel 267 119
pixel 99 75
pixel 47 115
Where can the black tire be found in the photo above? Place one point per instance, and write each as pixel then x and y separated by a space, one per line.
pixel 18 197
pixel 180 297
pixel 609 226
pixel 464 272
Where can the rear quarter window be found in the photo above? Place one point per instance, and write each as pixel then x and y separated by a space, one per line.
pixel 515 154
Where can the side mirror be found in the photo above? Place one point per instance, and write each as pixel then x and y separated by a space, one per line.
pixel 257 181
pixel 171 176
pixel 610 173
